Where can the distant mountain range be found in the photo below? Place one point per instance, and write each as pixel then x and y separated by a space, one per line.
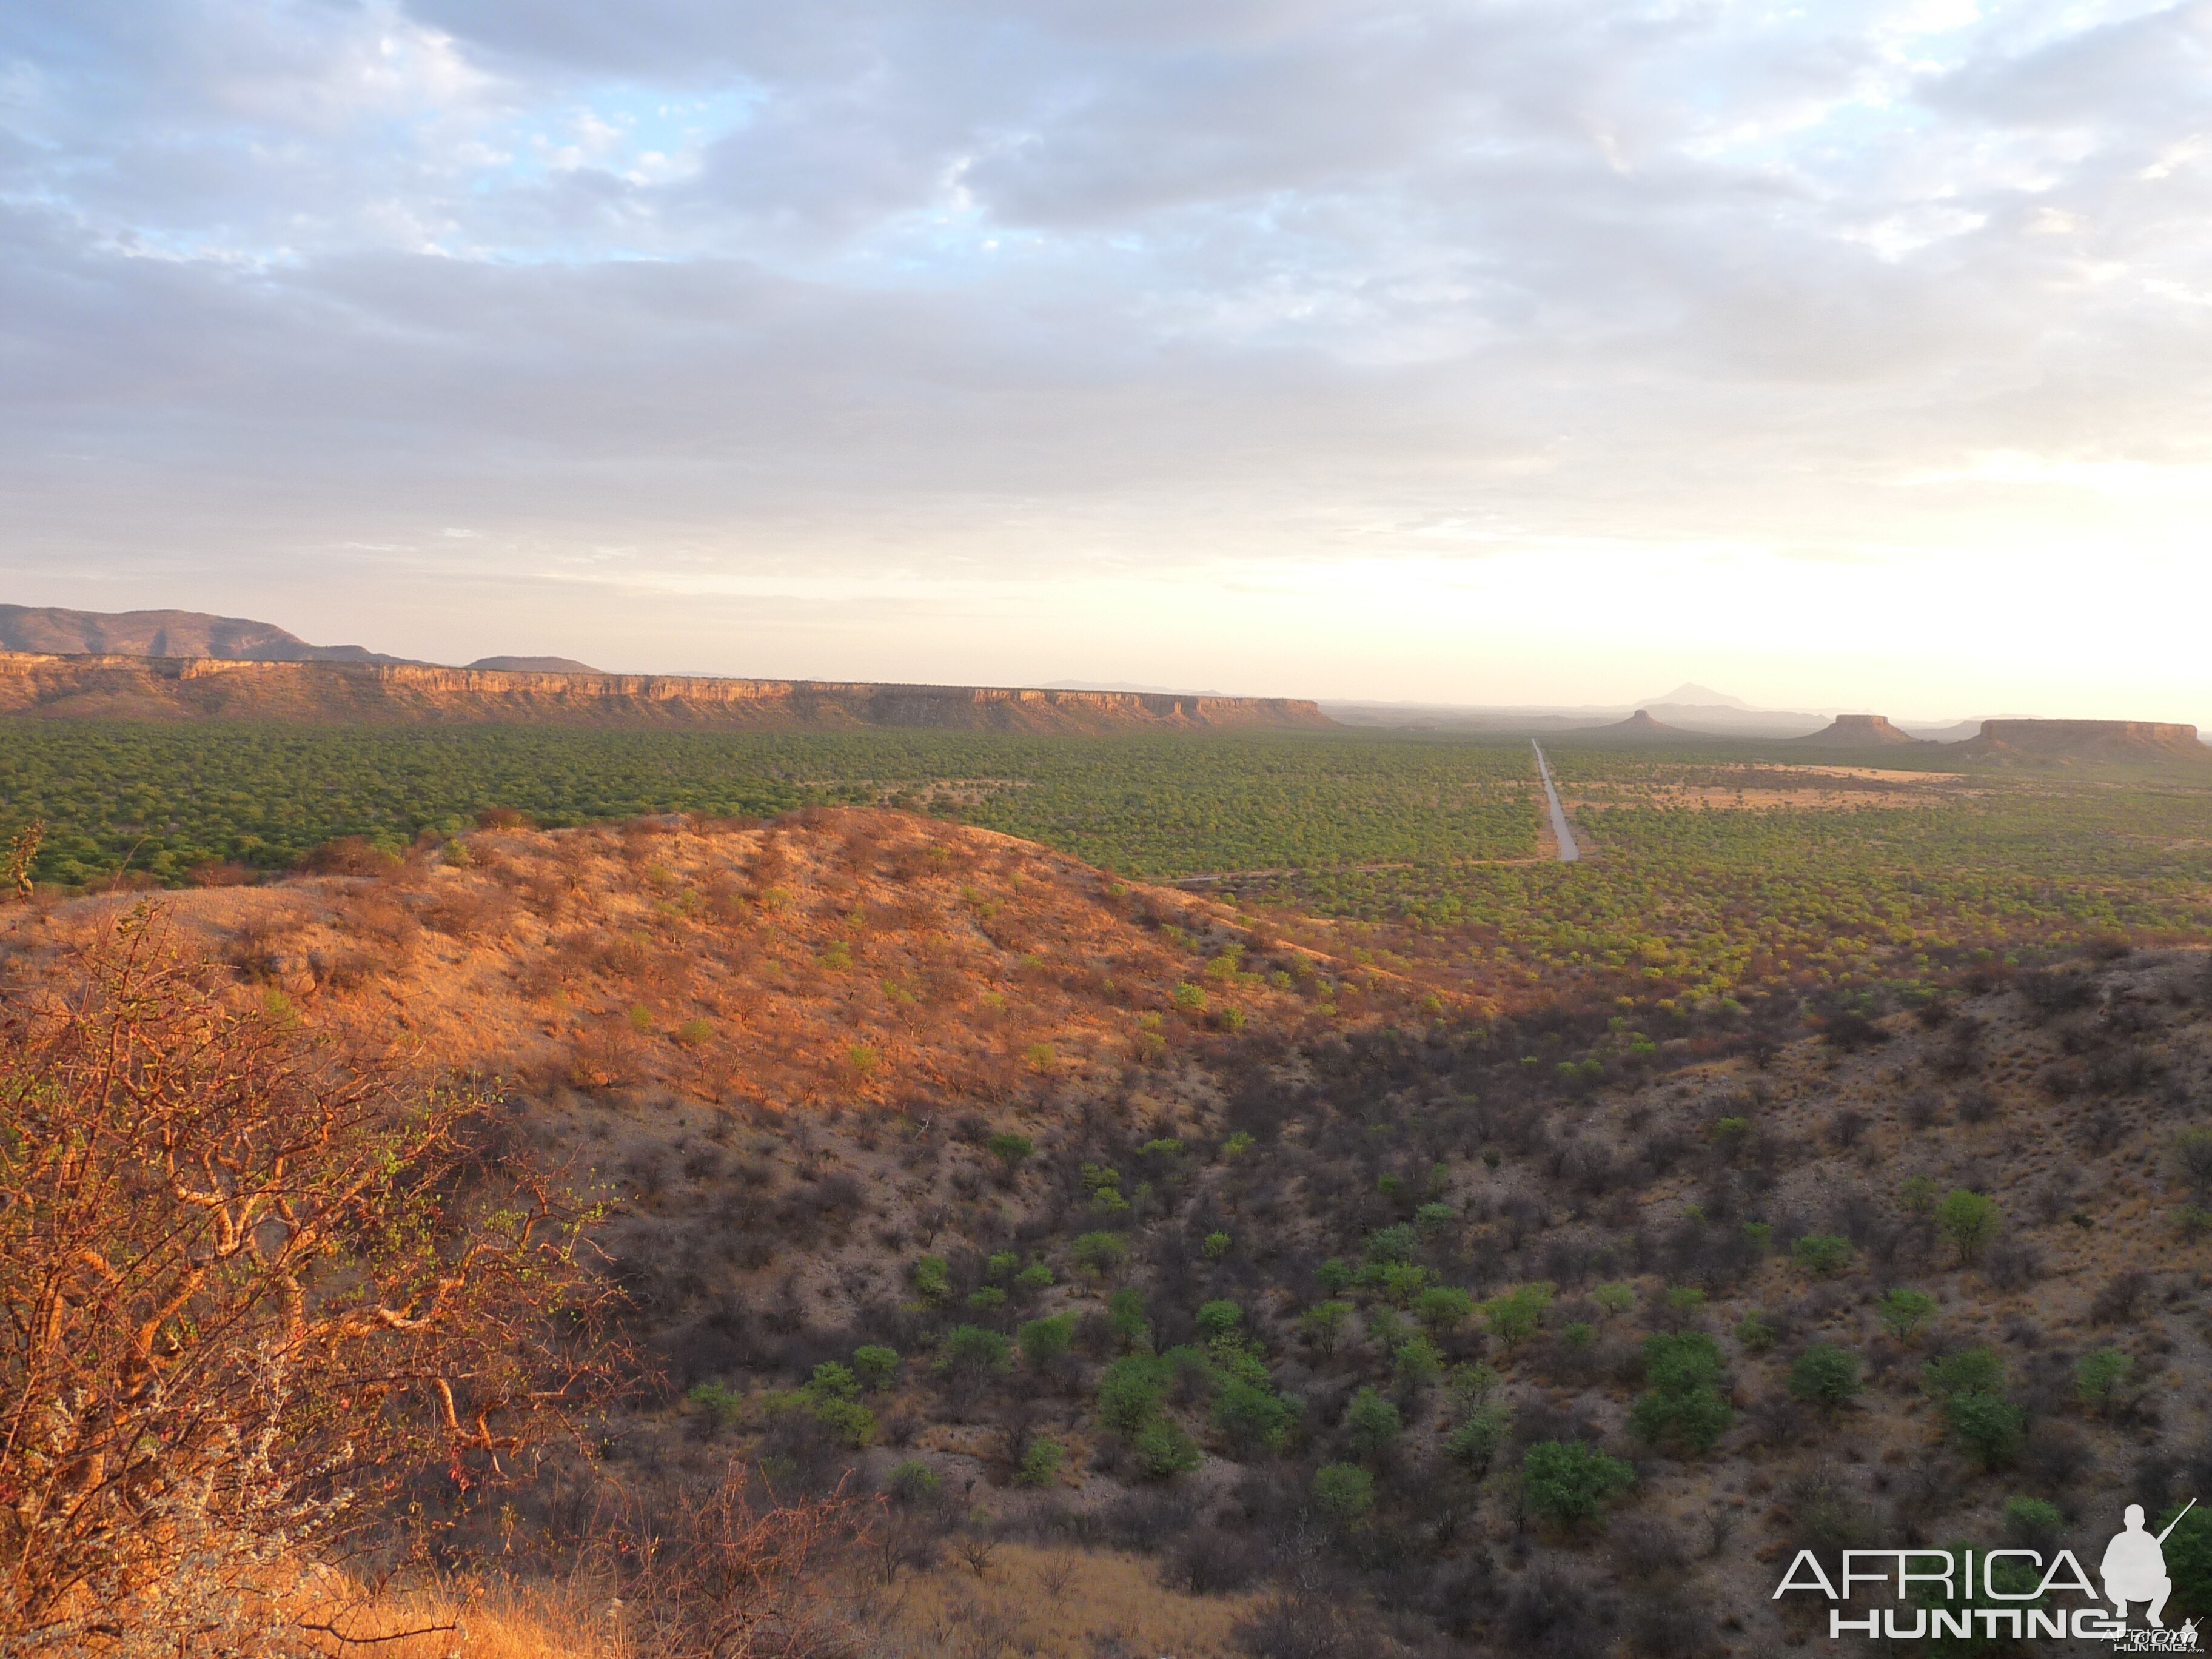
pixel 49 630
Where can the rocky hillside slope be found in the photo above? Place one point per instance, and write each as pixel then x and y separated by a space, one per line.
pixel 203 688
pixel 52 630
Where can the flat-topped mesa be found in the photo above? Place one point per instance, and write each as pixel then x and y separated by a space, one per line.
pixel 1856 732
pixel 204 688
pixel 2067 740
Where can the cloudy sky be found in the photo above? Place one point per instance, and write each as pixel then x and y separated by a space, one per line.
pixel 1849 352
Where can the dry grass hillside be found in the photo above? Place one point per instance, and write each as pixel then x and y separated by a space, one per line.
pixel 835 959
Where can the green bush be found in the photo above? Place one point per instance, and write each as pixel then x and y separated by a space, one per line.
pixel 912 1481
pixel 726 1404
pixel 1399 1282
pixel 1101 1255
pixel 1324 1324
pixel 1904 1311
pixel 1965 1371
pixel 1345 1491
pixel 1131 1392
pixel 1432 1218
pixel 1444 1307
pixel 1215 1246
pixel 1390 1244
pixel 1826 1376
pixel 1044 1340
pixel 1125 1313
pixel 1164 1448
pixel 971 1350
pixel 2099 1375
pixel 1754 1333
pixel 1254 1417
pixel 1988 1427
pixel 1334 1275
pixel 1039 1464
pixel 1683 1408
pixel 876 1366
pixel 1372 1423
pixel 1568 1483
pixel 1219 1319
pixel 2032 1524
pixel 1515 1316
pixel 1418 1362
pixel 1615 1299
pixel 1821 1253
pixel 1010 1149
pixel 1969 1220
pixel 933 1279
pixel 1033 1279
pixel 1474 1441
pixel 832 1397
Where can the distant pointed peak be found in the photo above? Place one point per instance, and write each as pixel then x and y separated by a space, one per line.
pixel 1689 694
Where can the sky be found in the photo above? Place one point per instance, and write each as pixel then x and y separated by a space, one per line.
pixel 1850 353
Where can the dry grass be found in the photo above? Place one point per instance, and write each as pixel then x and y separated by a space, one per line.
pixel 853 957
pixel 464 1620
pixel 1062 1604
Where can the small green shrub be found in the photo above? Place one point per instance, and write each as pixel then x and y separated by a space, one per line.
pixel 2099 1373
pixel 1039 1464
pixel 1444 1307
pixel 1821 1253
pixel 1372 1423
pixel 1516 1315
pixel 876 1366
pixel 1345 1491
pixel 1324 1324
pixel 1826 1376
pixel 971 1350
pixel 932 1279
pixel 1042 1341
pixel 1164 1448
pixel 1568 1483
pixel 1988 1427
pixel 1904 1311
pixel 911 1481
pixel 1969 1220
pixel 1219 1319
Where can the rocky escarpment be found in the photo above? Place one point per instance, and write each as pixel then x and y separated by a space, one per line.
pixel 2087 740
pixel 198 688
pixel 1856 732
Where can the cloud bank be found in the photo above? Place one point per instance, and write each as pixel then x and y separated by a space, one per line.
pixel 1438 348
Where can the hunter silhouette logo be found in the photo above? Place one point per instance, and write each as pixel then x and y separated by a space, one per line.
pixel 2134 1569
pixel 2005 1593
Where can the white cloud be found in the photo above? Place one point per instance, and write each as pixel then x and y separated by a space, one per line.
pixel 967 291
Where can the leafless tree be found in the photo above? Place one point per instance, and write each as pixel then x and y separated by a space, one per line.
pixel 245 1278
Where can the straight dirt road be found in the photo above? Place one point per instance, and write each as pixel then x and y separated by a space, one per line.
pixel 1568 851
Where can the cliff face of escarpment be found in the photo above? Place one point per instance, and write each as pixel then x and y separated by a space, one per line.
pixel 1856 732
pixel 155 688
pixel 2087 740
